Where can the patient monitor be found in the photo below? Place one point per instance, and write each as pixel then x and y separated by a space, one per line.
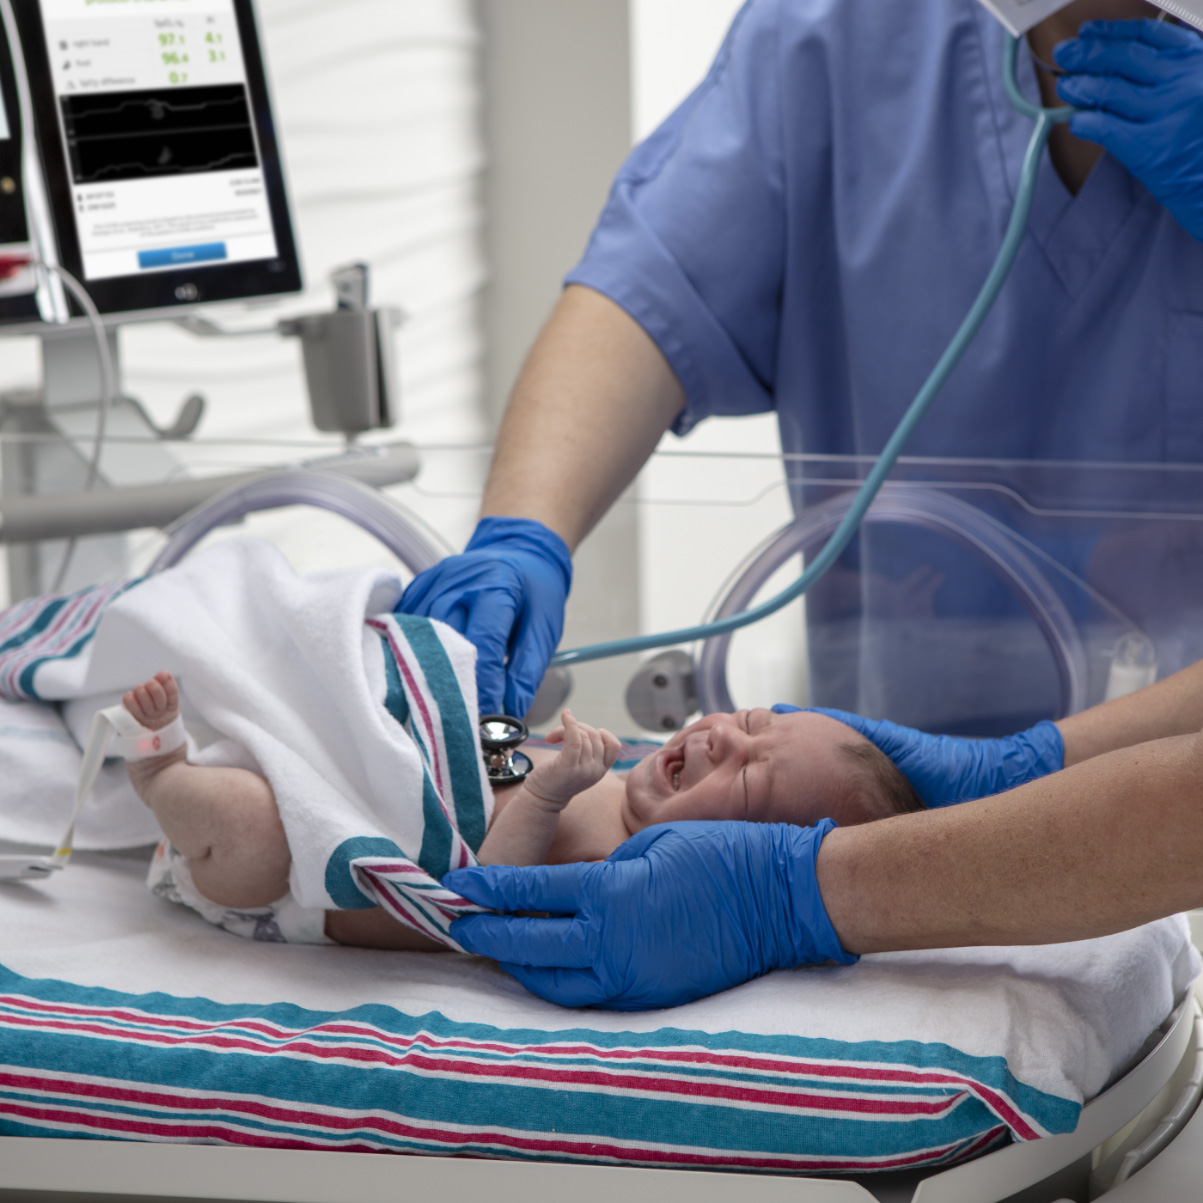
pixel 158 150
pixel 138 152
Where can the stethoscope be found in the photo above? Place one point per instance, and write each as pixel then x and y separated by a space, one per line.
pixel 1046 120
pixel 500 738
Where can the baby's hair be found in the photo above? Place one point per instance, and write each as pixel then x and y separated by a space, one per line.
pixel 885 779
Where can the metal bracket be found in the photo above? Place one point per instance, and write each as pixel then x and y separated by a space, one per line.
pixel 663 694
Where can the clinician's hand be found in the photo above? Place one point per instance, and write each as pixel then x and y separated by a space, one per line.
pixel 678 912
pixel 945 770
pixel 506 595
pixel 1141 86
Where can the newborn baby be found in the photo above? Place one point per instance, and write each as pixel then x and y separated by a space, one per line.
pixel 752 766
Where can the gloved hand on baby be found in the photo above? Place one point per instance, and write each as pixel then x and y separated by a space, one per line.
pixel 749 891
pixel 945 770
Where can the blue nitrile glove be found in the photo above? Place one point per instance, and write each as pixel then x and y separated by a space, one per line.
pixel 1141 84
pixel 506 595
pixel 679 911
pixel 945 770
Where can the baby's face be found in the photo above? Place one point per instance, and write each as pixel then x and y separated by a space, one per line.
pixel 754 766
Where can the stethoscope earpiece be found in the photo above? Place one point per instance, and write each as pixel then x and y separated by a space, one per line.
pixel 500 737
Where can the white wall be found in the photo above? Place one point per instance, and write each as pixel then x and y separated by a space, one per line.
pixel 558 126
pixel 672 44
pixel 699 516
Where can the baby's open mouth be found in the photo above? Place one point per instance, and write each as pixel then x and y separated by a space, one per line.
pixel 672 769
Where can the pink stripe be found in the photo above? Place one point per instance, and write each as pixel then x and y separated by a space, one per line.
pixel 279 1113
pixel 669 1087
pixel 800 1100
pixel 592 1149
pixel 422 923
pixel 177 1132
pixel 699 1057
pixel 397 904
pixel 993 1099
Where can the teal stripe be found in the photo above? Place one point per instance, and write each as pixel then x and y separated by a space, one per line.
pixel 36 627
pixel 460 733
pixel 394 692
pixel 435 856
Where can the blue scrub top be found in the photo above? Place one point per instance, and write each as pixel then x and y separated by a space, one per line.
pixel 809 228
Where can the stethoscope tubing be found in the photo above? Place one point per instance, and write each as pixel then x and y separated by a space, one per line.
pixel 1046 120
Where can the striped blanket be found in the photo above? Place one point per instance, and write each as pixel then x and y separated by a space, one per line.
pixel 362 720
pixel 905 1060
pixel 376 1080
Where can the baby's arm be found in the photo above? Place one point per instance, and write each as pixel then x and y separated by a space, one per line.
pixel 523 832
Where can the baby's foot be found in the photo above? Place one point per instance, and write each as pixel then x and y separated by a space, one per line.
pixel 155 703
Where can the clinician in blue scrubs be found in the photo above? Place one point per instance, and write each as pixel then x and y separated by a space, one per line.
pixel 807 231
pixel 804 235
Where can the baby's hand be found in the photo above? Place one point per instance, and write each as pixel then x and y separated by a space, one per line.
pixel 154 703
pixel 583 761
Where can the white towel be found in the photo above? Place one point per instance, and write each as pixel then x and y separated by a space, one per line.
pixel 362 721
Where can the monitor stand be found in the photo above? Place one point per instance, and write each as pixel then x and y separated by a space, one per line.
pixel 55 428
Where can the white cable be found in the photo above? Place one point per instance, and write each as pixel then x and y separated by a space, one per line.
pixel 31 866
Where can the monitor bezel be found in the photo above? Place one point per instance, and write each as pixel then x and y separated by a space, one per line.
pixel 185 288
pixel 23 306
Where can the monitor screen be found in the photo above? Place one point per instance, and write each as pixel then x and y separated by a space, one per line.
pixel 159 150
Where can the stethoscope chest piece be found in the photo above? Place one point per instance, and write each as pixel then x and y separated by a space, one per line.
pixel 500 737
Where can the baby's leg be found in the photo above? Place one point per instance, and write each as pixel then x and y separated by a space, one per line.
pixel 223 820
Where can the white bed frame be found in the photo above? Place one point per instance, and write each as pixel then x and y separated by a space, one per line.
pixel 69 1171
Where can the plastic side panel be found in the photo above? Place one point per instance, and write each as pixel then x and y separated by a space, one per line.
pixel 1013 1169
pixel 194 1171
pixel 1173 1176
pixel 1020 15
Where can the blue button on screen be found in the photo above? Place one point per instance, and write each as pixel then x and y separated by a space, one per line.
pixel 179 256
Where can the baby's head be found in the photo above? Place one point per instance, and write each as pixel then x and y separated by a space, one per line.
pixel 762 767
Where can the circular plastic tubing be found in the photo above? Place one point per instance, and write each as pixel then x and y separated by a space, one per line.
pixel 367 508
pixel 928 509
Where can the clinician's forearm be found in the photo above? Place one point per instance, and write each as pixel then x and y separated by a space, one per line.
pixel 590 405
pixel 1111 844
pixel 1171 707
